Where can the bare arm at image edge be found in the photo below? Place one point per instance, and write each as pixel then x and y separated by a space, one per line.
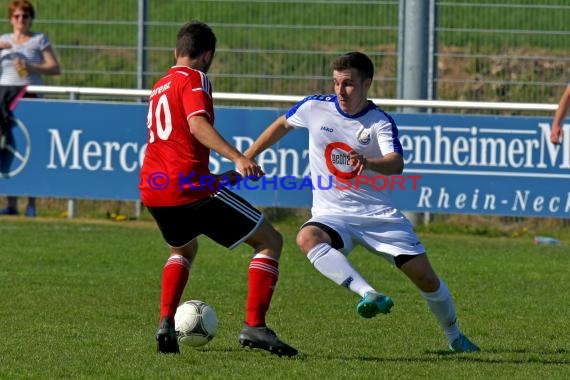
pixel 557 134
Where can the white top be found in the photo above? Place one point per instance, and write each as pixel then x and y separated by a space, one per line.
pixel 332 135
pixel 31 51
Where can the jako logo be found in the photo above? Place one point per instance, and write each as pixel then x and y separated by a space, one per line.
pixel 327 129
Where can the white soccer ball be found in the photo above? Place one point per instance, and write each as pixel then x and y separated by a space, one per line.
pixel 195 322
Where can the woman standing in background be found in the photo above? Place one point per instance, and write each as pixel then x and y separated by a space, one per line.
pixel 24 57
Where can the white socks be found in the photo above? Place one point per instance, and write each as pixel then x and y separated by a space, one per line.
pixel 441 305
pixel 336 267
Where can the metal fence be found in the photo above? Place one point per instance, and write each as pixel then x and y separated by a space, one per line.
pixel 507 50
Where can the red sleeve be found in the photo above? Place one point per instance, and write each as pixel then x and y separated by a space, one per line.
pixel 197 97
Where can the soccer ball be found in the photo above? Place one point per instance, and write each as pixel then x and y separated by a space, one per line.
pixel 195 322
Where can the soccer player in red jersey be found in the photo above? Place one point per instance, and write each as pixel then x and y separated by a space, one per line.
pixel 174 188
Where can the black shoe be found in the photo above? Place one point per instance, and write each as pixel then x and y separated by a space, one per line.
pixel 265 339
pixel 166 339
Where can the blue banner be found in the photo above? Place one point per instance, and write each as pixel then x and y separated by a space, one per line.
pixel 454 163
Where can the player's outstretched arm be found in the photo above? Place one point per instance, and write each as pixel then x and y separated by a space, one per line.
pixel 392 163
pixel 557 134
pixel 269 136
pixel 201 128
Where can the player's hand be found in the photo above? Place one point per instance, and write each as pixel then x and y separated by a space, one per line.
pixel 5 45
pixel 249 168
pixel 357 161
pixel 230 176
pixel 556 135
pixel 20 65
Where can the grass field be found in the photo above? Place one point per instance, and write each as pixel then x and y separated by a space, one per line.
pixel 80 301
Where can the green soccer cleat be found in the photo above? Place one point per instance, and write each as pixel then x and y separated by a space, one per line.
pixel 463 344
pixel 374 303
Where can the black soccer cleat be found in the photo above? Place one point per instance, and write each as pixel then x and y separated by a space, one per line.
pixel 264 338
pixel 166 339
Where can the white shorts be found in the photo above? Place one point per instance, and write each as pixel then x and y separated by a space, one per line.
pixel 386 235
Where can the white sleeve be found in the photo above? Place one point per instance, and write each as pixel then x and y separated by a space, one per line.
pixel 297 116
pixel 387 135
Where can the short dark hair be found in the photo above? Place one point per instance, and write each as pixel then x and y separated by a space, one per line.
pixel 195 38
pixel 354 60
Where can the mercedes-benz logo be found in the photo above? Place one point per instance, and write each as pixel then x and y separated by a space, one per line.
pixel 15 148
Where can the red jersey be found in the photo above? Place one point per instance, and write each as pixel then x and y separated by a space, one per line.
pixel 175 162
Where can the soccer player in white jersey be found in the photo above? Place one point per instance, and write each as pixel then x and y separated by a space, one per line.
pixel 350 139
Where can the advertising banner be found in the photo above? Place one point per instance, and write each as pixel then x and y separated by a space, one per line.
pixel 494 165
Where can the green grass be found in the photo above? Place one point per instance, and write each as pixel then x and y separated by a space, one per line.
pixel 80 301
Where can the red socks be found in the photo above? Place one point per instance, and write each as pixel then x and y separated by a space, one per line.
pixel 174 279
pixel 262 277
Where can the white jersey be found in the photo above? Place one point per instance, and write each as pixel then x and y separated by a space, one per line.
pixel 332 135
